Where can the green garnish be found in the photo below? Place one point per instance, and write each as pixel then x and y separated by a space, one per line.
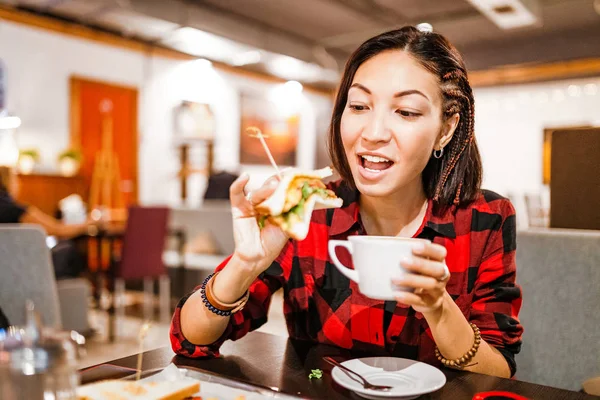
pixel 315 373
pixel 296 212
pixel 306 190
pixel 298 209
pixel 261 221
pixel 322 191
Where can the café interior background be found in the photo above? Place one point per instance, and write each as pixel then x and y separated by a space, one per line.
pixel 534 66
pixel 510 119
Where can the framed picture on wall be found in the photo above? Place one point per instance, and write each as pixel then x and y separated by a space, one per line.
pixel 281 131
pixel 194 121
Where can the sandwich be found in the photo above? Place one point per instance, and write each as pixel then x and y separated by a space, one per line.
pixel 128 390
pixel 298 194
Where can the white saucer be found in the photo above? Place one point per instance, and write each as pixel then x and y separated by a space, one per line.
pixel 409 379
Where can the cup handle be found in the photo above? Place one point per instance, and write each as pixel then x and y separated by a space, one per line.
pixel 347 272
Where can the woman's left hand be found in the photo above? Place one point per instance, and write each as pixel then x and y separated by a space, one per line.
pixel 427 274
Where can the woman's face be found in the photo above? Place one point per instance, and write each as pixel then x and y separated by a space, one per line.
pixel 392 123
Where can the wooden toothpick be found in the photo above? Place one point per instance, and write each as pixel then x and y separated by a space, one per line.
pixel 255 132
pixel 141 336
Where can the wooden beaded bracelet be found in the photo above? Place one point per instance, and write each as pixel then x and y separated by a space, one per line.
pixel 461 362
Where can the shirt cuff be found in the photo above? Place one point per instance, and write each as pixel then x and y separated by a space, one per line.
pixel 510 360
pixel 184 347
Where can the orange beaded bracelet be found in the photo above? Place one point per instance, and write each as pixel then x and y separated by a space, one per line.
pixel 461 362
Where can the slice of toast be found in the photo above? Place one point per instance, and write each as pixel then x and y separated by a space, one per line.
pixel 129 390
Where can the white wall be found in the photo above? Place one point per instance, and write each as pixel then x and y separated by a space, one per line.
pixel 510 122
pixel 509 126
pixel 39 64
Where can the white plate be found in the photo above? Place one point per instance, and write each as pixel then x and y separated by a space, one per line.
pixel 409 378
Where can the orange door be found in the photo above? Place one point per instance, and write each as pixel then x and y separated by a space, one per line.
pixel 87 101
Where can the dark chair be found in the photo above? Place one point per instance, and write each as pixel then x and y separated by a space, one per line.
pixel 142 259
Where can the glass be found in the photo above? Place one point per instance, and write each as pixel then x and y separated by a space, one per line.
pixel 38 363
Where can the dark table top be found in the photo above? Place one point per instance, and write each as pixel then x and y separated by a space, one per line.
pixel 274 361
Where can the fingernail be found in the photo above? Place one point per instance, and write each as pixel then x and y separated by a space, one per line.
pixel 244 175
pixel 406 261
pixel 419 247
pixel 274 183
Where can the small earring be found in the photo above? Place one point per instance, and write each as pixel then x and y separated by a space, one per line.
pixel 438 153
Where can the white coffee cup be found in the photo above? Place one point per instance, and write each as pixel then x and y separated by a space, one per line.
pixel 376 262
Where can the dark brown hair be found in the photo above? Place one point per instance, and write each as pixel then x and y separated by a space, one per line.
pixel 455 178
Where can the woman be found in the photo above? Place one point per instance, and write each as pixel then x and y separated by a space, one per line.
pixel 402 140
pixel 66 259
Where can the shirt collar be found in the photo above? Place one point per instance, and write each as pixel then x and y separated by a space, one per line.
pixel 442 224
pixel 347 216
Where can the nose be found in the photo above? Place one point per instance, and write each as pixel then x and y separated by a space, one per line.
pixel 377 129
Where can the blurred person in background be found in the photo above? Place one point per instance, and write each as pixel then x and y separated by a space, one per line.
pixel 218 185
pixel 3 320
pixel 67 260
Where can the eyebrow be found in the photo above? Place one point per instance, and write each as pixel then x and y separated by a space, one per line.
pixel 399 94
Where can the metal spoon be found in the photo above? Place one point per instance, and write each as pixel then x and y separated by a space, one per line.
pixel 366 384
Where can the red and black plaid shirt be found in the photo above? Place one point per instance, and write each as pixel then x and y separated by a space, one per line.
pixel 322 305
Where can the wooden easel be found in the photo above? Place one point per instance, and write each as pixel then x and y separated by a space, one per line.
pixel 104 190
pixel 105 194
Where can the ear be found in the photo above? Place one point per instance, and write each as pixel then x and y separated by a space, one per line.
pixel 448 128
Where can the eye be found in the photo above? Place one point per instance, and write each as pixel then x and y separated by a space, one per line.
pixel 408 114
pixel 358 107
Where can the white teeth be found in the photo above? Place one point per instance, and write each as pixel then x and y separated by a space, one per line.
pixel 373 170
pixel 375 158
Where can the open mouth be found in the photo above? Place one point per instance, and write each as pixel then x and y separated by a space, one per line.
pixel 374 163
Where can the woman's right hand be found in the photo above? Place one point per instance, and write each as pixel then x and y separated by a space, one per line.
pixel 253 245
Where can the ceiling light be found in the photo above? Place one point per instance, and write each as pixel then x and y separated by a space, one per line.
pixel 202 63
pixel 510 14
pixel 285 67
pixel 574 91
pixel 591 89
pixel 206 45
pixel 291 68
pixel 287 98
pixel 9 122
pixel 246 58
pixel 293 86
pixel 203 44
pixel 425 27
